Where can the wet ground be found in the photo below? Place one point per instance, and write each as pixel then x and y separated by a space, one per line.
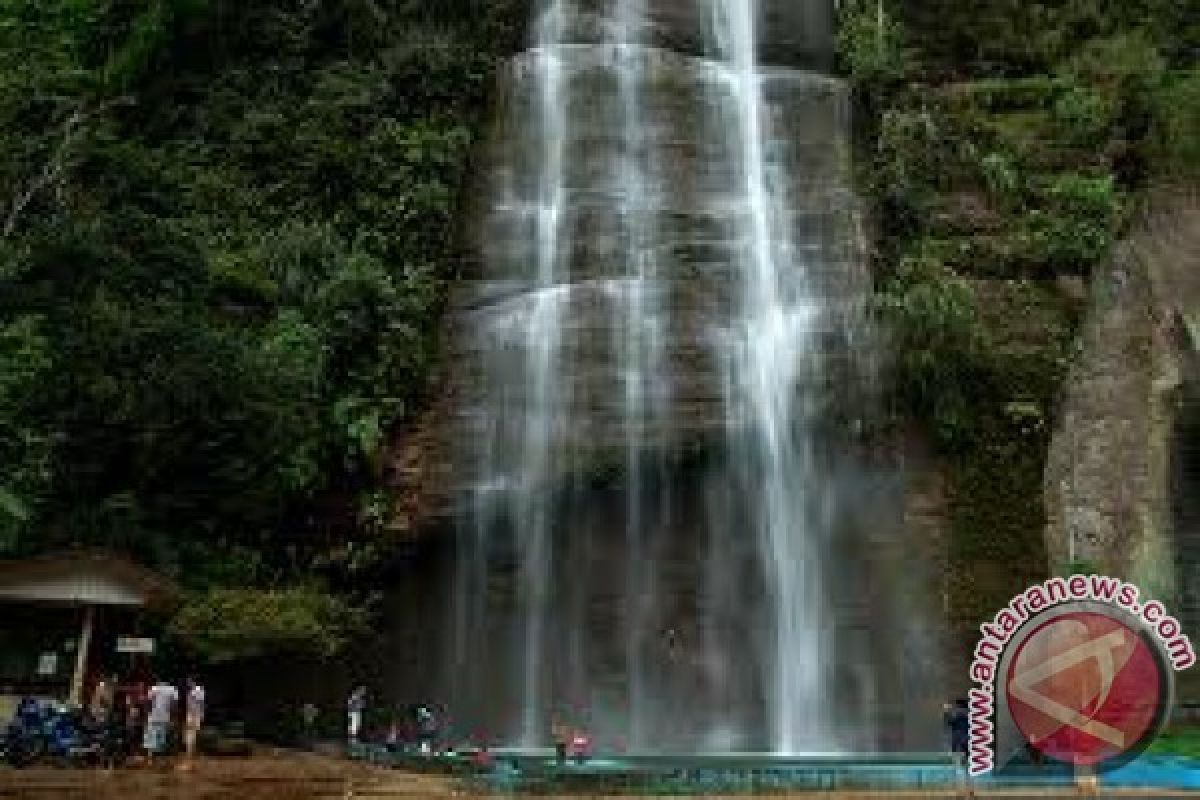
pixel 291 776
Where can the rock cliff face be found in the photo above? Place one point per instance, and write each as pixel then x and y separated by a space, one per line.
pixel 688 221
pixel 792 33
pixel 1119 477
pixel 641 443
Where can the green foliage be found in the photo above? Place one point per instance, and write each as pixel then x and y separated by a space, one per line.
pixel 871 43
pixel 225 233
pixel 229 624
pixel 1125 70
pixel 1074 225
pixel 1083 117
pixel 1178 740
pixel 996 95
pixel 998 169
pixel 1072 245
pixel 1080 195
pixel 1175 143
pixel 26 447
pixel 1020 39
pixel 936 341
pixel 904 172
pixel 1128 61
pixel 1001 175
pixel 136 45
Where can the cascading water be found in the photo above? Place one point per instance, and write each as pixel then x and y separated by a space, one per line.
pixel 769 353
pixel 638 347
pixel 655 367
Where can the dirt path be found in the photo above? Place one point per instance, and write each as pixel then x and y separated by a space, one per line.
pixel 310 777
pixel 278 777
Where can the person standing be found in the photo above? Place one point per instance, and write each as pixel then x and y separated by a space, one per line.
pixel 356 705
pixel 161 698
pixel 426 729
pixel 193 719
pixel 308 721
pixel 134 710
pixel 958 727
pixel 393 736
pixel 100 709
pixel 561 736
pixel 102 720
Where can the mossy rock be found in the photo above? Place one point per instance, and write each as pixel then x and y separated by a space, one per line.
pixel 996 548
pixel 1028 321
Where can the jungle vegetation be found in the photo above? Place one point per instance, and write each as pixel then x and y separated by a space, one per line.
pixel 226 231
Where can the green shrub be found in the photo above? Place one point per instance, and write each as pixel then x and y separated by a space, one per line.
pixel 230 624
pixel 1126 61
pixel 26 445
pixel 1013 94
pixel 1176 134
pixel 1061 244
pixel 932 318
pixel 1126 70
pixel 1091 196
pixel 1001 176
pixel 1069 225
pixel 907 167
pixel 871 44
pixel 1082 117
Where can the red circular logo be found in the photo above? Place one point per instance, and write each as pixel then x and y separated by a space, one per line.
pixel 1084 688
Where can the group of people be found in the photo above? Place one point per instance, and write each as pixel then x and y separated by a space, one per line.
pixel 425 725
pixel 150 714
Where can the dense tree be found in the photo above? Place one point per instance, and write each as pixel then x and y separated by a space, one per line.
pixel 225 232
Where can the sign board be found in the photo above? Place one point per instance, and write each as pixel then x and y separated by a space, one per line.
pixel 47 664
pixel 135 644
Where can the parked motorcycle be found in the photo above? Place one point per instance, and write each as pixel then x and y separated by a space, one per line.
pixel 24 740
pixel 41 732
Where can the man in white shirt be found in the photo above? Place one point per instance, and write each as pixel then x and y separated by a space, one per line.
pixel 355 706
pixel 161 699
pixel 193 719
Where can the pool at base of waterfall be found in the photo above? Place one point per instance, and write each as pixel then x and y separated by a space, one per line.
pixel 537 770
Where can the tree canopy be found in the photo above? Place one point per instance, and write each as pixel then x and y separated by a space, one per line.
pixel 226 230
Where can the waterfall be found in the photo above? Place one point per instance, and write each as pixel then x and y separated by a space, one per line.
pixel 655 364
pixel 770 352
pixel 639 352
